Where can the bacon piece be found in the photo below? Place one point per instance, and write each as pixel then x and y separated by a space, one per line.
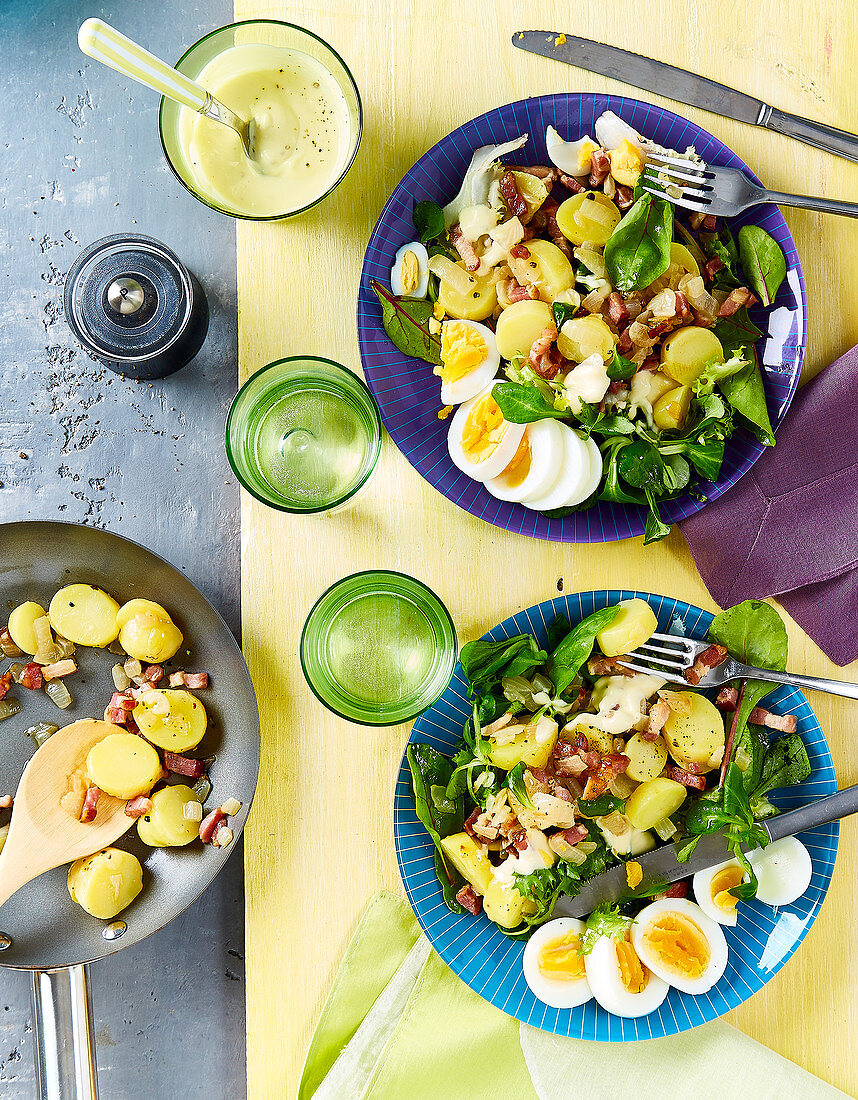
pixel 727 698
pixel 509 190
pixel 519 840
pixel 520 251
pixel 600 167
pixel 659 713
pixel 32 677
pixel 624 196
pixel 196 680
pixel 675 890
pixel 470 821
pixel 737 298
pixel 154 674
pixel 184 765
pixel 210 824
pixel 618 315
pixel 139 806
pixel 130 724
pixel 123 700
pixel 5 683
pixel 58 669
pixel 607 666
pixel 518 293
pixel 470 900
pixel 543 172
pixel 117 715
pixel 90 804
pixel 712 268
pixel 464 247
pixel 786 723
pixel 624 344
pixel 544 357
pixel 710 223
pixel 679 775
pixel 603 774
pixel 575 835
pixel 683 309
pixel 571 184
pixel 710 658
pixel 545 219
pixel 177 679
pixel 568 761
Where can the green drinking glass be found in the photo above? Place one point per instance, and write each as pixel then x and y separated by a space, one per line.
pixel 303 435
pixel 378 648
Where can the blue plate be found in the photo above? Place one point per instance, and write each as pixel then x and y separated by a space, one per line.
pixel 406 389
pixel 490 963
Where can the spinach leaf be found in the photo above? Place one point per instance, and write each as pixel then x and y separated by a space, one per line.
pixel 723 247
pixel 559 513
pixel 406 322
pixel 655 529
pixel 605 920
pixel 428 220
pixel 638 250
pixel 523 404
pixel 565 661
pixel 736 332
pixel 753 744
pixel 484 662
pixel 706 458
pixel 613 489
pixel 621 369
pixel 746 393
pixel 598 807
pixel 562 311
pixel 439 814
pixel 763 262
pixel 786 763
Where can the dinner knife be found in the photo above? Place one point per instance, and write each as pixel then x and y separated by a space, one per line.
pixel 661 866
pixel 684 87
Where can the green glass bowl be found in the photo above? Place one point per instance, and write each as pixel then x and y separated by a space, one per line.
pixel 266 32
pixel 300 373
pixel 378 648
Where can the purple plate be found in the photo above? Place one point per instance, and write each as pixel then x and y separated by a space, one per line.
pixel 408 392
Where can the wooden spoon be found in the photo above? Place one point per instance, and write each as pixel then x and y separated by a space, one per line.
pixel 41 833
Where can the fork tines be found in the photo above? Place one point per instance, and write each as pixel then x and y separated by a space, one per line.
pixel 668 178
pixel 663 673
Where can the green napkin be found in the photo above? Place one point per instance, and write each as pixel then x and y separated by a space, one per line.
pixel 399 1024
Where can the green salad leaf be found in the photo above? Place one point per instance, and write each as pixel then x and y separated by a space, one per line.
pixel 605 920
pixel 406 322
pixel 638 250
pixel 439 814
pixel 515 782
pixel 562 312
pixel 763 262
pixel 786 763
pixel 722 246
pixel 605 804
pixel 736 332
pixel 621 369
pixel 524 404
pixel 746 393
pixel 569 655
pixel 485 662
pixel 428 218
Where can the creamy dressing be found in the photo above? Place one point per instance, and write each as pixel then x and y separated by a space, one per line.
pixel 620 701
pixel 535 856
pixel 303 131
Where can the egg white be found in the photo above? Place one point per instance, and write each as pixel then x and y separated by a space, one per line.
pixel 500 457
pixel 566 155
pixel 419 250
pixel 603 975
pixel 554 992
pixel 702 886
pixel 547 449
pixel 463 389
pixel 783 869
pixel 592 483
pixel 709 928
pixel 572 475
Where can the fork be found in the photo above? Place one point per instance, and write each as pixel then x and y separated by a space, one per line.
pixel 711 189
pixel 672 662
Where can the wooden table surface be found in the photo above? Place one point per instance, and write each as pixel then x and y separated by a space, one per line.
pixel 319 842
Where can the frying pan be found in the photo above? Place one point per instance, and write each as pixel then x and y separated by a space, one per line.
pixel 49 934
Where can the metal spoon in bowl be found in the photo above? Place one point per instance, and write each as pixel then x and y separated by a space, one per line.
pixel 103 43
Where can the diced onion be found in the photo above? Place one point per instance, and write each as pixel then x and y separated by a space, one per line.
pixel 41 732
pixel 8 648
pixel 132 667
pixel 232 806
pixel 576 856
pixel 665 828
pixel 451 273
pixel 121 679
pixel 17 670
pixel 8 707
pixel 587 847
pixel 203 788
pixel 615 823
pixel 192 811
pixel 42 630
pixel 58 694
pixel 65 646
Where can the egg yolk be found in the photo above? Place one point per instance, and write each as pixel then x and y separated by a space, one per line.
pixel 679 943
pixel 462 350
pixel 627 163
pixel 519 467
pixel 632 973
pixel 720 887
pixel 561 959
pixel 483 430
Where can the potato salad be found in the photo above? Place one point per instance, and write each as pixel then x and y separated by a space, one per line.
pixel 153 719
pixel 572 763
pixel 589 344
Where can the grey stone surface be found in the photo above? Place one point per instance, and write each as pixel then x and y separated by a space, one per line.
pixel 81 159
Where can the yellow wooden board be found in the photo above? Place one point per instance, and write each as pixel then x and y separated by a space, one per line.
pixel 319 840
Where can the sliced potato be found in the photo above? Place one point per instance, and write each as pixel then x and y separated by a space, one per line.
pixel 687 351
pixel 581 337
pixel 546 268
pixel 146 631
pixel 476 305
pixel 166 826
pixel 633 625
pixel 106 883
pixel 699 735
pixel 589 216
pixel 671 409
pixel 21 626
pixel 504 905
pixel 124 765
pixel 520 325
pixel 653 801
pixel 84 614
pixel 141 607
pixel 172 719
pixel 646 758
pixel 526 748
pixel 469 860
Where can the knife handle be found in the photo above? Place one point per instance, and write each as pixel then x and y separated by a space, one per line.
pixel 818 134
pixel 834 806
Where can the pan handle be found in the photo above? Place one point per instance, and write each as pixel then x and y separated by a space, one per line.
pixel 65 1058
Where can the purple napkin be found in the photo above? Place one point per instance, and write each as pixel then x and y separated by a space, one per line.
pixel 789 528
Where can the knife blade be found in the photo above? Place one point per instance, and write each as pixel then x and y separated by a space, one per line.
pixel 684 87
pixel 661 866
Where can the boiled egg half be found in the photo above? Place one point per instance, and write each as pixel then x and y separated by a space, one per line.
pixel 783 869
pixel 534 466
pixel 554 966
pixel 469 360
pixel 481 443
pixel 712 888
pixel 571 157
pixel 409 276
pixel 620 982
pixel 572 476
pixel 679 943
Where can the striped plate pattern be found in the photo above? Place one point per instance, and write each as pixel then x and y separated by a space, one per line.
pixel 490 963
pixel 408 393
